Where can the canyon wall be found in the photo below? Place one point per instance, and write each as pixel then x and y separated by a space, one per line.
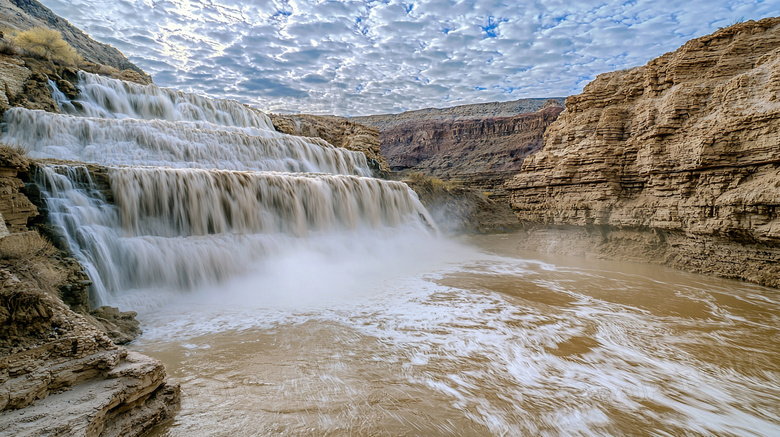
pixel 676 162
pixel 466 147
pixel 384 122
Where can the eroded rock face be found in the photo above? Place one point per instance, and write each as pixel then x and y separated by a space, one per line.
pixel 478 146
pixel 676 162
pixel 337 131
pixel 15 207
pixel 462 112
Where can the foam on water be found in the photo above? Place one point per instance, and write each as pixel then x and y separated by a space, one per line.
pixel 193 190
pixel 514 361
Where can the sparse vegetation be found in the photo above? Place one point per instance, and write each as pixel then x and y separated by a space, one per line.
pixel 428 183
pixel 736 21
pixel 25 247
pixel 8 49
pixel 45 43
pixel 13 156
pixel 29 256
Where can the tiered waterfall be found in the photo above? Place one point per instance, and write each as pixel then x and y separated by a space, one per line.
pixel 200 189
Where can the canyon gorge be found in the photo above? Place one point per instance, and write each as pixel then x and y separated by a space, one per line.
pixel 173 264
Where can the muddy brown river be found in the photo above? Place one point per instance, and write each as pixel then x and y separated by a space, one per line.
pixel 468 338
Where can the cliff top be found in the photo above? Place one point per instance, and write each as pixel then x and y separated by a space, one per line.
pixel 478 110
pixel 25 14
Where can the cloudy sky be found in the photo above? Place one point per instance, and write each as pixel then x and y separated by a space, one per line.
pixel 380 56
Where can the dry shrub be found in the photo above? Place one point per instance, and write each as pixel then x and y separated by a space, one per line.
pixel 47 44
pixel 12 156
pixel 8 49
pixel 29 256
pixel 25 247
pixel 428 183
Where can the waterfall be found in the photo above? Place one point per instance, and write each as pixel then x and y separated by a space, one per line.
pixel 128 141
pixel 194 190
pixel 101 97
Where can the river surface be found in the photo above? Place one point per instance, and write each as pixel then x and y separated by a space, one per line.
pixel 427 336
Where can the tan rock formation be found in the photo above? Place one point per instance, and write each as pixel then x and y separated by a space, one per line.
pixel 676 162
pixel 385 122
pixel 15 207
pixel 337 131
pixel 13 75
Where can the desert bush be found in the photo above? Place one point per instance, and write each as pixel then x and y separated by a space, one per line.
pixel 428 182
pixel 30 257
pixel 46 43
pixel 25 247
pixel 12 156
pixel 6 48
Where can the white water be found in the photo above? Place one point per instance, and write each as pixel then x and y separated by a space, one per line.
pixel 452 340
pixel 119 123
pixel 101 97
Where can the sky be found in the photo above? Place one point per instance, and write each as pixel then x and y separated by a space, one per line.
pixel 387 56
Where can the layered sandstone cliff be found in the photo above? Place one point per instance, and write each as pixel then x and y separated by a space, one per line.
pixel 676 162
pixel 384 122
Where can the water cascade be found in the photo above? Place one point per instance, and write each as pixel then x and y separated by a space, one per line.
pixel 202 189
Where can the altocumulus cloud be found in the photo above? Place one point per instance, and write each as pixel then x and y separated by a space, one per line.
pixel 378 56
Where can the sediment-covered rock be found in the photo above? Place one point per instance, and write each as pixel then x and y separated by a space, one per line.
pixel 676 162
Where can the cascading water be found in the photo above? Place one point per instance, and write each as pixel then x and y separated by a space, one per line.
pixel 203 189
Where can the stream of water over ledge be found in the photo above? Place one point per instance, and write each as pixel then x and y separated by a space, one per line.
pixel 470 338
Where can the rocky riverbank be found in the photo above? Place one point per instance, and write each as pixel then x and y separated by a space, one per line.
pixel 676 162
pixel 60 373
